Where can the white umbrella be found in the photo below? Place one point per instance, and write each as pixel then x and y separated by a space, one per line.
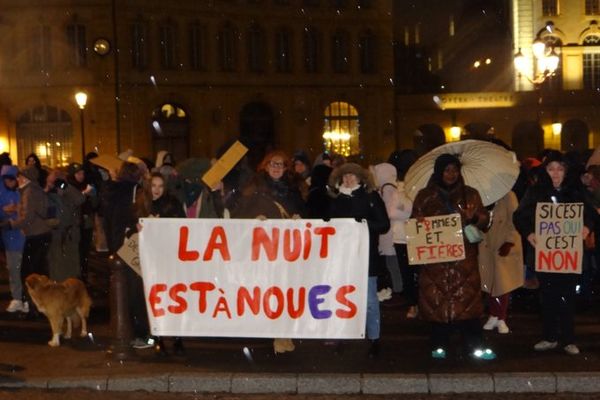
pixel 487 167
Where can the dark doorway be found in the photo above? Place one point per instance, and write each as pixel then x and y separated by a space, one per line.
pixel 257 130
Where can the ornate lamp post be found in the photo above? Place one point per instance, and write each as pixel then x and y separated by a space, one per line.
pixel 540 65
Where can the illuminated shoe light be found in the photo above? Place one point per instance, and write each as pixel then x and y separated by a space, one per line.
pixel 484 354
pixel 438 353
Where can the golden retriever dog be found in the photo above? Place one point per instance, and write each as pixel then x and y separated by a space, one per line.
pixel 60 301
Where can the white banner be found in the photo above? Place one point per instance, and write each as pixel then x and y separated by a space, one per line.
pixel 252 278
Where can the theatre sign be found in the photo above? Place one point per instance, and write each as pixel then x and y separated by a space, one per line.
pixel 475 100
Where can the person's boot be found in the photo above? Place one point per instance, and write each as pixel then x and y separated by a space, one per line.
pixel 374 348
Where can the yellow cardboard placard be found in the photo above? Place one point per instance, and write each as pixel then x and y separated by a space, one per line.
pixel 215 174
pixel 108 162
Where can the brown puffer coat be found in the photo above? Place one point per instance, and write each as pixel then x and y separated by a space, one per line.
pixel 450 291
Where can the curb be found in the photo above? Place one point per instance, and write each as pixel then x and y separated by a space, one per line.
pixel 522 382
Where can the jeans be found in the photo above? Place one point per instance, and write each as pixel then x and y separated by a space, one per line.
pixel 373 318
pixel 13 264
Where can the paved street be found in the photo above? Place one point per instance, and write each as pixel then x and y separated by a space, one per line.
pixel 26 356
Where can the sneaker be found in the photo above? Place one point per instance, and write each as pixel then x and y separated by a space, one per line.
pixel 571 349
pixel 413 312
pixel 139 343
pixel 14 306
pixel 502 327
pixel 484 354
pixel 545 345
pixel 491 323
pixel 438 354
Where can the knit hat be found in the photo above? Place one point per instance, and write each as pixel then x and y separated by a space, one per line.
pixel 30 173
pixel 74 168
pixel 9 171
pixel 554 156
pixel 363 175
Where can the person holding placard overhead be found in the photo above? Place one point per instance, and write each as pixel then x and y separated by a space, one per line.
pixel 449 291
pixel 557 285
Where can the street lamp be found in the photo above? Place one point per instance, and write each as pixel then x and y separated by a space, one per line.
pixel 541 64
pixel 81 99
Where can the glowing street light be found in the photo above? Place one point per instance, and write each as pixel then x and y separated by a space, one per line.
pixel 81 100
pixel 544 62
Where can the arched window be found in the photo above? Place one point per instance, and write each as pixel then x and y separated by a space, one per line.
pixel 170 130
pixel 227 47
pixel 341 129
pixel 256 48
pixel 311 50
pixel 591 61
pixel 340 47
pixel 283 50
pixel 48 132
pixel 574 136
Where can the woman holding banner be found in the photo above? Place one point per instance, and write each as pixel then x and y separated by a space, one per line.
pixel 355 197
pixel 449 291
pixel 557 289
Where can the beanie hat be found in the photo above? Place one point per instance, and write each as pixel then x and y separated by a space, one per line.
pixel 30 173
pixel 73 168
pixel 9 171
pixel 554 156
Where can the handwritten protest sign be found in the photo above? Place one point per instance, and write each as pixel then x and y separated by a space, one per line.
pixel 558 237
pixel 252 278
pixel 435 239
pixel 129 253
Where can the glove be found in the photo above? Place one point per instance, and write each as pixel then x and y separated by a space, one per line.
pixel 505 249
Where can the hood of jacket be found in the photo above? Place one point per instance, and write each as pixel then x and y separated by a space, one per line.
pixel 384 173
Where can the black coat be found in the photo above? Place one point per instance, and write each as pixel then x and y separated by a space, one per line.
pixel 119 212
pixel 361 204
pixel 167 206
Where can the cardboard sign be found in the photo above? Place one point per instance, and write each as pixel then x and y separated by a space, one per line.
pixel 108 162
pixel 232 156
pixel 558 237
pixel 252 278
pixel 435 239
pixel 129 253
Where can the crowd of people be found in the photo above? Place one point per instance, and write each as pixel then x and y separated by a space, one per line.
pixel 52 218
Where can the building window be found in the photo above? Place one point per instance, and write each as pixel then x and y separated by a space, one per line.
pixel 340 52
pixel 139 45
pixel 48 132
pixel 168 41
pixel 368 52
pixel 256 49
pixel 283 50
pixel 198 46
pixel 550 8
pixel 311 50
pixel 341 129
pixel 77 44
pixel 591 71
pixel 170 130
pixel 592 7
pixel 41 57
pixel 227 48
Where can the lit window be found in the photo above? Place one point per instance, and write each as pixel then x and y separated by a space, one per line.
pixel 341 129
pixel 76 40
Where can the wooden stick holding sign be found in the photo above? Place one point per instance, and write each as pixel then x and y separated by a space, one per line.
pixel 217 172
pixel 559 238
pixel 435 239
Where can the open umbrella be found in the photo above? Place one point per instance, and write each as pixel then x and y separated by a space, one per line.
pixel 487 167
